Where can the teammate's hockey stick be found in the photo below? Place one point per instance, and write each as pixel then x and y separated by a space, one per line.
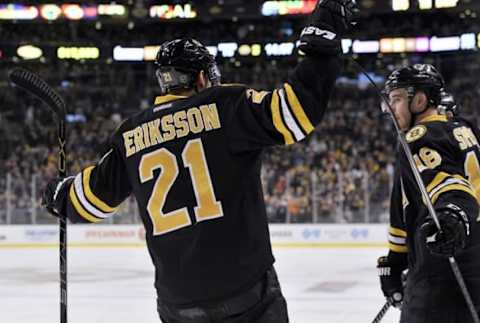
pixel 382 312
pixel 425 196
pixel 34 84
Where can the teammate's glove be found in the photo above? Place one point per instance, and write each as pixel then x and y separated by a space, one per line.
pixel 55 195
pixel 453 236
pixel 328 22
pixel 390 281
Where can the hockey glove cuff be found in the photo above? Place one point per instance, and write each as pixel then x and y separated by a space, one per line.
pixel 328 22
pixel 55 196
pixel 455 230
pixel 390 280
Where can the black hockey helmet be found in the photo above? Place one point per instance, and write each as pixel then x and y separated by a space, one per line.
pixel 416 77
pixel 448 104
pixel 179 61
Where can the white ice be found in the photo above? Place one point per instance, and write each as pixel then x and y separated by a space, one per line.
pixel 322 285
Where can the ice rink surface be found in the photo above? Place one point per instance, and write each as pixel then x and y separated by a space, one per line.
pixel 322 285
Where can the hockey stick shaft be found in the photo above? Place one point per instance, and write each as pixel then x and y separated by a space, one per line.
pixel 382 312
pixel 426 199
pixel 32 83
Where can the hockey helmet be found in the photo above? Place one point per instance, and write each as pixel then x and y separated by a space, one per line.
pixel 416 77
pixel 179 61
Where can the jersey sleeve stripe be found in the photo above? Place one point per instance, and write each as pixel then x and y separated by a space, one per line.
pixel 79 209
pixel 397 248
pixel 99 204
pixel 452 187
pixel 298 109
pixel 277 119
pixel 79 190
pixel 397 232
pixel 396 240
pixel 289 119
pixel 442 178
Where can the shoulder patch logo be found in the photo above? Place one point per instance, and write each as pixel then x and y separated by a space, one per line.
pixel 416 133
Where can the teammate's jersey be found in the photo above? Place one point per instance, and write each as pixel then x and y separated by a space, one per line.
pixel 447 155
pixel 193 164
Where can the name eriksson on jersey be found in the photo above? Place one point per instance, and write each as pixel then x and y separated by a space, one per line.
pixel 171 126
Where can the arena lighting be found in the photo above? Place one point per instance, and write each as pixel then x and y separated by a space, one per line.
pixel 400 5
pixel 50 12
pixel 166 11
pixel 366 46
pixel 280 8
pixel 72 11
pixel 425 4
pixel 250 50
pixel 279 49
pixel 128 53
pixel 227 49
pixel 111 10
pixel 440 44
pixel 422 44
pixel 29 52
pixel 18 12
pixel 150 52
pixel 78 53
pixel 346 45
pixel 446 3
pixel 467 41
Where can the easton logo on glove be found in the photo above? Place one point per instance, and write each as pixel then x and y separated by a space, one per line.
pixel 312 30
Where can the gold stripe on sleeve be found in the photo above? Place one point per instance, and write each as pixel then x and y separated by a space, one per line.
pixel 453 187
pixel 397 232
pixel 79 208
pixel 99 204
pixel 278 121
pixel 397 248
pixel 298 109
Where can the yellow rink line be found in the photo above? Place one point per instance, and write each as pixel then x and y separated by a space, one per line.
pixel 136 245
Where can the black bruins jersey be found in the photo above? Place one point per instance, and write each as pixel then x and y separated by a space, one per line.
pixel 193 164
pixel 447 154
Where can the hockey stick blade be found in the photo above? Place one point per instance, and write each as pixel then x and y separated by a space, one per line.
pixel 34 84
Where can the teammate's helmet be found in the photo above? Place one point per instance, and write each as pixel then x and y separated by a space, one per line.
pixel 179 62
pixel 417 77
pixel 448 104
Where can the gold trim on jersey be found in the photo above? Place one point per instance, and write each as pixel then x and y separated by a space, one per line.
pixel 444 182
pixel 453 187
pixel 433 117
pixel 278 121
pixel 79 208
pixel 397 232
pixel 298 110
pixel 397 248
pixel 94 200
pixel 167 98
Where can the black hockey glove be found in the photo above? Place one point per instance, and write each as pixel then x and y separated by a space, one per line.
pixel 455 231
pixel 328 22
pixel 390 280
pixel 55 195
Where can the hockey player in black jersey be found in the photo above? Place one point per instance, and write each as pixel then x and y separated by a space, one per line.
pixel 193 163
pixel 446 153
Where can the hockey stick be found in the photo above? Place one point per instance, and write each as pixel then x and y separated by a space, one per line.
pixel 425 196
pixel 382 312
pixel 34 84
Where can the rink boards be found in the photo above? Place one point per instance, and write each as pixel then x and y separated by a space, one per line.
pixel 282 235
